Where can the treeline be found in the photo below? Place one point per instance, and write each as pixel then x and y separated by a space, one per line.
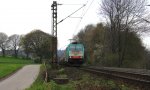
pixel 9 43
pixel 101 49
pixel 35 45
pixel 117 42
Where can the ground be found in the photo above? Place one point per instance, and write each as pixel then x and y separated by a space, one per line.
pixel 22 79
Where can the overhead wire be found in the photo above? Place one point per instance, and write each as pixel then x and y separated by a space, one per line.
pixel 70 14
pixel 82 17
pixel 72 4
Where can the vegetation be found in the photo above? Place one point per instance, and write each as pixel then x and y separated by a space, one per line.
pixel 39 83
pixel 35 45
pixel 99 50
pixel 6 69
pixel 147 53
pixel 38 43
pixel 14 41
pixel 78 80
pixel 117 43
pixel 9 43
pixel 89 82
pixel 124 17
pixel 3 39
pixel 13 60
pixel 9 65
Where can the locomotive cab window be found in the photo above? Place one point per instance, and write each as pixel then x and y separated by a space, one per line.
pixel 75 48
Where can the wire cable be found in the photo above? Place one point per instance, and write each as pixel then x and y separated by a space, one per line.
pixel 72 4
pixel 71 14
pixel 83 17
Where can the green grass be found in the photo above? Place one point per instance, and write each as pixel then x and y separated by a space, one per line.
pixel 9 65
pixel 6 69
pixel 87 82
pixel 55 86
pixel 13 60
pixel 39 83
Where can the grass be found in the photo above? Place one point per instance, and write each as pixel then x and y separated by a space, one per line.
pixel 9 65
pixel 87 82
pixel 55 86
pixel 6 69
pixel 39 83
pixel 13 60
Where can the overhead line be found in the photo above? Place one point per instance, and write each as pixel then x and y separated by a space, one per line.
pixel 70 14
pixel 72 4
pixel 83 16
pixel 88 8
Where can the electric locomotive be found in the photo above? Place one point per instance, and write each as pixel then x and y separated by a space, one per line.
pixel 75 53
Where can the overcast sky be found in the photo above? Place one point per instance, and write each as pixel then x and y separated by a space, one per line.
pixel 23 16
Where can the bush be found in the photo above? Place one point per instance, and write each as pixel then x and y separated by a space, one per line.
pixel 37 60
pixel 110 60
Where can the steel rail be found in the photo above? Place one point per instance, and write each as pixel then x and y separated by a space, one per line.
pixel 140 79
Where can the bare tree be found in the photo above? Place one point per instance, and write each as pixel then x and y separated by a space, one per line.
pixel 123 17
pixel 14 41
pixel 3 39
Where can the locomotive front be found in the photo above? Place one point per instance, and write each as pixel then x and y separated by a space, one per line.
pixel 75 53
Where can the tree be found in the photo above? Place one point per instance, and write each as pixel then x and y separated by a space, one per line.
pixel 93 38
pixel 96 40
pixel 135 52
pixel 38 43
pixel 3 39
pixel 122 16
pixel 14 41
pixel 25 46
pixel 147 53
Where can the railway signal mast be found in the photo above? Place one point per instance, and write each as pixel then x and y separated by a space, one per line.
pixel 54 32
pixel 54 29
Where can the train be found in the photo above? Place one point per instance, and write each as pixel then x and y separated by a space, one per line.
pixel 75 53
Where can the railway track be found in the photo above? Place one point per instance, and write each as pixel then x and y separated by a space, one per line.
pixel 138 77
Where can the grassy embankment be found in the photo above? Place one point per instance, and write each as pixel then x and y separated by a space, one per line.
pixel 9 65
pixel 40 84
pixel 78 80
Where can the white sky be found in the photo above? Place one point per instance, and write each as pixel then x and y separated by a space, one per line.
pixel 23 16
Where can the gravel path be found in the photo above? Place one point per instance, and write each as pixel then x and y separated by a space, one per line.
pixel 21 79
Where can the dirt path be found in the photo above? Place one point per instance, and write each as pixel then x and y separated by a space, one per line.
pixel 21 79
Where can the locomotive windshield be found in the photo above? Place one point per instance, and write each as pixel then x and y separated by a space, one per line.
pixel 75 48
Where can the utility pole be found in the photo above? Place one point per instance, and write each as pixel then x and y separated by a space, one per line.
pixel 54 29
pixel 54 32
